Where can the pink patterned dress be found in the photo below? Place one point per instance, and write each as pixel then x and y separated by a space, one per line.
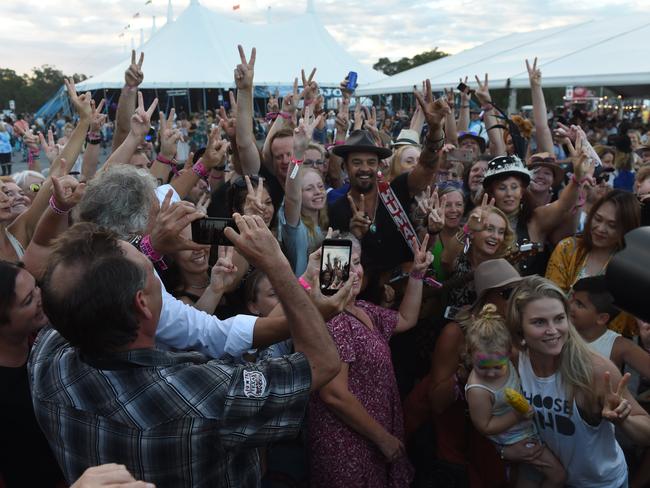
pixel 339 456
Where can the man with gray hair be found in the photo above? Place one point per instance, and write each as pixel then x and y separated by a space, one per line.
pixel 123 199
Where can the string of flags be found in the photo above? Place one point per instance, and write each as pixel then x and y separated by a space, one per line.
pixel 135 16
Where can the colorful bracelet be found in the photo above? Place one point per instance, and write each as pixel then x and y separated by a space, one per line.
pixel 201 170
pixel 56 209
pixel 169 162
pixel 148 250
pixel 304 283
pixel 575 180
pixel 417 276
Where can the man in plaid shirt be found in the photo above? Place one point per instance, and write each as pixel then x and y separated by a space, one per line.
pixel 102 393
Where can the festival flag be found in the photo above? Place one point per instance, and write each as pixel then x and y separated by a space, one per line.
pixel 121 34
pixel 137 14
pixel 128 26
pixel 148 2
pixel 236 7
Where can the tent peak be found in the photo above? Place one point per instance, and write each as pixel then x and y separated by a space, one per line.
pixel 170 12
pixel 311 9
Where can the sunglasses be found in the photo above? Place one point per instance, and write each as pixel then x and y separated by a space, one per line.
pixel 313 162
pixel 456 185
pixel 241 182
pixel 543 160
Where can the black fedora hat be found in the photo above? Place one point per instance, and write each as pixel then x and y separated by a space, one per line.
pixel 361 141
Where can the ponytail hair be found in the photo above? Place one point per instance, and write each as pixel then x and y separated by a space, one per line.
pixel 487 332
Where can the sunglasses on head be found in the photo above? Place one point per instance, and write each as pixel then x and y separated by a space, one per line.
pixel 456 185
pixel 542 160
pixel 313 162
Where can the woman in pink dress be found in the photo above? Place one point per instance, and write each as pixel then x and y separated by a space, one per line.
pixel 356 430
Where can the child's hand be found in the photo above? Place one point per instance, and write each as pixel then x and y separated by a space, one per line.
pixel 529 414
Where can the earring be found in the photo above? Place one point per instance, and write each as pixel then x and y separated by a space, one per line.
pixel 523 343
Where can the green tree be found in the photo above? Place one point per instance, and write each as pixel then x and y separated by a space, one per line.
pixel 31 91
pixel 389 67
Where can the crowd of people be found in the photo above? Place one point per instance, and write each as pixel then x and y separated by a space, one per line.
pixel 132 353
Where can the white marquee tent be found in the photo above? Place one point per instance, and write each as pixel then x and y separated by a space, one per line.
pixel 199 50
pixel 611 52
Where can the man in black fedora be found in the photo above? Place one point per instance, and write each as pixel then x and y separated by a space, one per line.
pixel 364 213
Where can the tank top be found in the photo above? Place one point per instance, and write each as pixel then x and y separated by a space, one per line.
pixel 604 344
pixel 18 247
pixel 590 454
pixel 524 429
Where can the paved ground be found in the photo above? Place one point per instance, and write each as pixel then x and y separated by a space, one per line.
pixel 18 164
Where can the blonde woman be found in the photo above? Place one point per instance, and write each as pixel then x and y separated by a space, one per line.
pixel 403 161
pixel 304 214
pixel 579 396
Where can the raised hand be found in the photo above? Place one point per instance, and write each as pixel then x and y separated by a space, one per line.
pixel 358 116
pixel 229 124
pixel 273 105
pixel 68 192
pixel 615 407
pixel 483 92
pixel 256 243
pixel 245 70
pixel 584 167
pixel 304 132
pixel 169 136
pixel 436 218
pixel 31 140
pixel 569 132
pixel 166 235
pixel 215 150
pixel 224 272
pixel 141 119
pixel 51 149
pixel 465 95
pixel 434 111
pixel 133 75
pixel 422 258
pixel 343 115
pixel 360 222
pixel 534 74
pixel 290 101
pixel 310 87
pixel 97 118
pixel 81 103
pixel 478 218
pixel 451 98
pixel 253 204
pixel 344 88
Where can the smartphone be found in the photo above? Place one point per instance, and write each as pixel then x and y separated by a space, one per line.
pixel 352 81
pixel 451 312
pixel 463 155
pixel 210 230
pixel 335 258
pixel 462 87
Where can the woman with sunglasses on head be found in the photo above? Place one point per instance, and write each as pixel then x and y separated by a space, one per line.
pixel 457 440
pixel 303 217
pixel 609 219
pixel 579 396
pixel 487 235
pixel 404 159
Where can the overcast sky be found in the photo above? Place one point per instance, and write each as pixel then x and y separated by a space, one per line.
pixel 83 36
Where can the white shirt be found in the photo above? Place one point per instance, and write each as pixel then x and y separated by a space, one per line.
pixel 184 327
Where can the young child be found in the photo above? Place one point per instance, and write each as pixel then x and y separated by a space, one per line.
pixel 488 348
pixel 592 309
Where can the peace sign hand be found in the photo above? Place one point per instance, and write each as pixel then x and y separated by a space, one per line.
pixel 358 116
pixel 436 220
pixel 483 92
pixel 478 218
pixel 466 94
pixel 451 98
pixel 141 119
pixel 51 149
pixel 534 74
pixel 224 272
pixel 310 87
pixel 360 222
pixel 616 408
pixel 215 150
pixel 422 258
pixel 229 124
pixel 434 111
pixel 169 136
pixel 343 115
pixel 290 101
pixel 253 204
pixel 133 75
pixel 304 132
pixel 97 119
pixel 81 103
pixel 244 72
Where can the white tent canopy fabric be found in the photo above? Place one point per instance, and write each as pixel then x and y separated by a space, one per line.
pixel 594 53
pixel 199 50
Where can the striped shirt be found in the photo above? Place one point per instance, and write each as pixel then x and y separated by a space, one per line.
pixel 174 419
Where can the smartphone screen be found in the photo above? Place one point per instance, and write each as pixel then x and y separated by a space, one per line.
pixel 209 230
pixel 334 265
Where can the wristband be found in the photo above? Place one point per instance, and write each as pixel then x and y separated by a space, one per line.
pixel 304 283
pixel 148 250
pixel 575 180
pixel 169 162
pixel 296 168
pixel 56 209
pixel 435 146
pixel 200 170
pixel 464 106
pixel 417 276
pixel 308 102
pixel 94 135
pixel 93 140
pixel 285 115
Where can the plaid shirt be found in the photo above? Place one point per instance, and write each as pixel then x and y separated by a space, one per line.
pixel 174 419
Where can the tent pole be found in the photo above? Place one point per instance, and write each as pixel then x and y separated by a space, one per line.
pixel 189 105
pixel 205 104
pixel 512 101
